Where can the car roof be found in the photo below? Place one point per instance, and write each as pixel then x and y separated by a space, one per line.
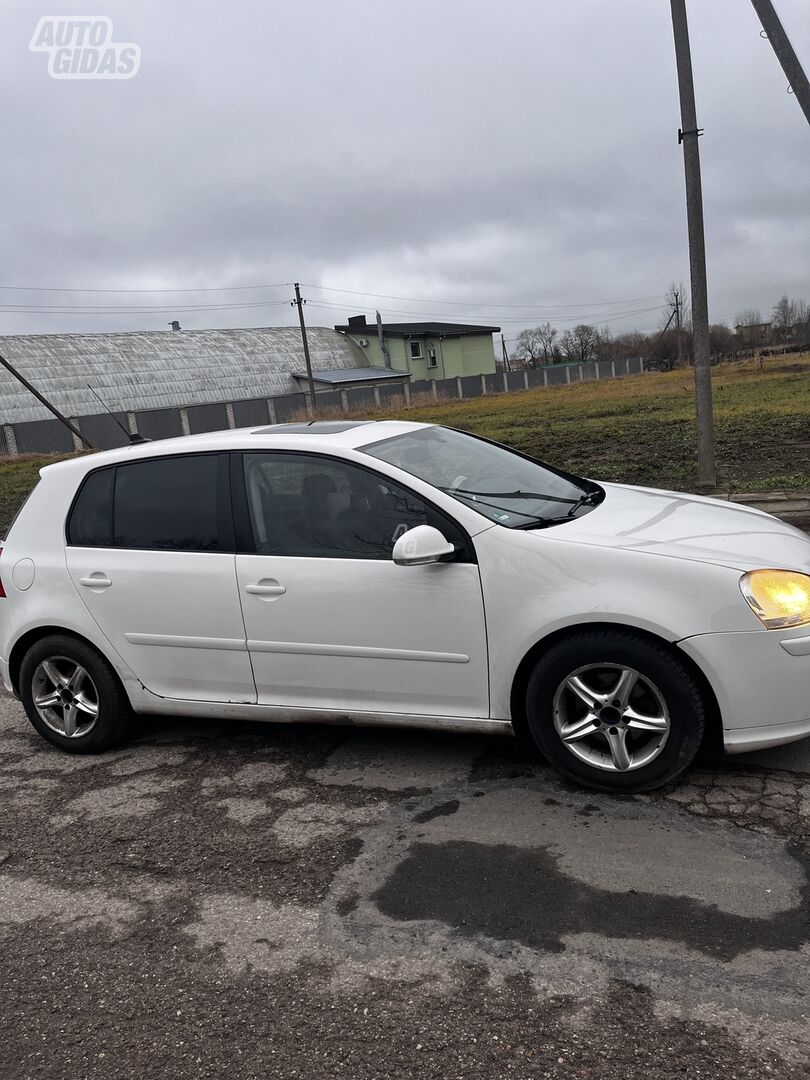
pixel 317 435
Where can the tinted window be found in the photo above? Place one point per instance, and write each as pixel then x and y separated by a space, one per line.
pixel 90 522
pixel 305 505
pixel 168 503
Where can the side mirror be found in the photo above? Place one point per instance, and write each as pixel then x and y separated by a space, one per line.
pixel 420 546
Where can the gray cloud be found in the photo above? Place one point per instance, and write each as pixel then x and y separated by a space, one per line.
pixel 514 154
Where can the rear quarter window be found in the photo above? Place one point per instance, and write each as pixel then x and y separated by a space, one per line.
pixel 90 521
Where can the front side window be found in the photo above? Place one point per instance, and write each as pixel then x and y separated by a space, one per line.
pixel 416 350
pixel 168 504
pixel 314 507
pixel 498 483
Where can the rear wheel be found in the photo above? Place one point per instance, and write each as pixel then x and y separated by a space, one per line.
pixel 615 711
pixel 72 696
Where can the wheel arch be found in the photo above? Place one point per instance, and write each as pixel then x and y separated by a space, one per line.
pixel 713 732
pixel 37 633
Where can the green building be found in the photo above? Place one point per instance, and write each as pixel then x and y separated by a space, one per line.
pixel 428 350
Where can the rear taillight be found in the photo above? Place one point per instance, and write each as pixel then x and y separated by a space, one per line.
pixel 2 590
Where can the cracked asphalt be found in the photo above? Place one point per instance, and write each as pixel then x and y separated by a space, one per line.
pixel 229 899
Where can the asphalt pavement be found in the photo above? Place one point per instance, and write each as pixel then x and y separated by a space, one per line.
pixel 221 899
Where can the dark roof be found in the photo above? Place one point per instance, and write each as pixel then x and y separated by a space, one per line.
pixel 418 329
pixel 350 375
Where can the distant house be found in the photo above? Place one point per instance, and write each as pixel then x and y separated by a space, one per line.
pixel 750 335
pixel 426 350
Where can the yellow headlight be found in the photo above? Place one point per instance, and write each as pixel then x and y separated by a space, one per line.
pixel 778 598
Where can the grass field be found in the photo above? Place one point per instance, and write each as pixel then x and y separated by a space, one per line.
pixel 638 430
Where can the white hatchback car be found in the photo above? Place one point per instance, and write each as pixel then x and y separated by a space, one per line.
pixel 407 574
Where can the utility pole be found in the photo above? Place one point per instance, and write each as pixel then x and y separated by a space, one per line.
pixel 52 409
pixel 688 135
pixel 299 303
pixel 506 365
pixel 678 324
pixel 785 53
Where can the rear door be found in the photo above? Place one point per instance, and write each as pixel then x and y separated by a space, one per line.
pixel 151 553
pixel 332 623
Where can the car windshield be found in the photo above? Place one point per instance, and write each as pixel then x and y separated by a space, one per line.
pixel 499 483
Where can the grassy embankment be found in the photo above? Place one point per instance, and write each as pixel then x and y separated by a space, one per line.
pixel 638 430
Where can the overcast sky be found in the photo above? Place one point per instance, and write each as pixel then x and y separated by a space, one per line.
pixel 518 156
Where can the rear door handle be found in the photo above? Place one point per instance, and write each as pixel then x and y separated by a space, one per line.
pixel 265 588
pixel 96 581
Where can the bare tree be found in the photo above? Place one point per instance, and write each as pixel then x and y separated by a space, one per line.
pixel 631 343
pixel 536 343
pixel 788 314
pixel 529 346
pixel 604 344
pixel 547 334
pixel 569 346
pixel 721 339
pixel 585 336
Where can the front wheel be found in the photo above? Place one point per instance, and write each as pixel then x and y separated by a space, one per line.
pixel 72 696
pixel 615 711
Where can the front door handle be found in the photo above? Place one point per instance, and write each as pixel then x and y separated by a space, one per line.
pixel 96 581
pixel 265 588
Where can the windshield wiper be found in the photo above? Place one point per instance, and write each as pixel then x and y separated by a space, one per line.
pixel 509 495
pixel 472 497
pixel 588 498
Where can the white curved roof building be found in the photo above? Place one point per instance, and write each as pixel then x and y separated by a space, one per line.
pixel 148 370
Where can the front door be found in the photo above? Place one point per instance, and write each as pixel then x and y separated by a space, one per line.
pixel 150 552
pixel 332 623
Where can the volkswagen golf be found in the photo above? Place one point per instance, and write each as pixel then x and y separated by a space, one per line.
pixel 403 574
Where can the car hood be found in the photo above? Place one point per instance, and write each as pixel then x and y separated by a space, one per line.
pixel 688 527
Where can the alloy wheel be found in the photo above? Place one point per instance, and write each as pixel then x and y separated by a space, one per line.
pixel 611 717
pixel 65 696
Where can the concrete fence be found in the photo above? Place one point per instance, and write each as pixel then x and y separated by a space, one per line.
pixel 50 436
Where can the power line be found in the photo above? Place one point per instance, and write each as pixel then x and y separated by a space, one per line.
pixel 76 309
pixel 323 288
pixel 212 288
pixel 472 304
pixel 604 316
pixel 598 316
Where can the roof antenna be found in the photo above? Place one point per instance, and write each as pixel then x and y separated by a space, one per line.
pixel 132 436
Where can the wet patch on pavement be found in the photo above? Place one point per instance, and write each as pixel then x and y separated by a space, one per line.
pixel 481 889
pixel 444 809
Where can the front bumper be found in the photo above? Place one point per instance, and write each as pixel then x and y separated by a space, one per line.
pixel 762 682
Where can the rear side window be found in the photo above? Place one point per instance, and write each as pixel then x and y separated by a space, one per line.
pixel 165 504
pixel 168 504
pixel 90 523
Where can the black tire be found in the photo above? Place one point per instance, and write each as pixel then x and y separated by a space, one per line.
pixel 661 672
pixel 103 690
